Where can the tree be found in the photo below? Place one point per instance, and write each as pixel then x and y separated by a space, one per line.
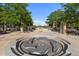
pixel 55 18
pixel 66 17
pixel 4 13
pixel 15 14
pixel 19 10
pixel 71 14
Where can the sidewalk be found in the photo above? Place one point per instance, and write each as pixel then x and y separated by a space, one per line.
pixel 7 38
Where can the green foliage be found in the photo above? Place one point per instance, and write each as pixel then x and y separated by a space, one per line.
pixel 72 13
pixel 15 13
pixel 68 14
pixel 55 17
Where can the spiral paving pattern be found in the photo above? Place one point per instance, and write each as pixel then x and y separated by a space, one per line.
pixel 41 46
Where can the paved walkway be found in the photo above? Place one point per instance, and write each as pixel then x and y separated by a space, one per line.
pixel 7 38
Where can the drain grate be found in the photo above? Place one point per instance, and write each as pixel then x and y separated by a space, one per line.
pixel 41 46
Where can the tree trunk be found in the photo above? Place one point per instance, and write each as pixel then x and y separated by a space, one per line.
pixel 4 28
pixel 64 28
pixel 53 26
pixel 21 29
pixel 21 26
pixel 61 27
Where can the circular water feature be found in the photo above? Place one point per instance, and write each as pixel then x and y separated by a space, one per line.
pixel 40 46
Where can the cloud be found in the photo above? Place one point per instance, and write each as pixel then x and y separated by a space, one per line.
pixel 38 22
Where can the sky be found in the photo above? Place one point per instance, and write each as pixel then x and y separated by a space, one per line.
pixel 40 11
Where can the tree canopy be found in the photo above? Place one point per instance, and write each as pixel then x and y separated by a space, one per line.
pixel 69 14
pixel 15 14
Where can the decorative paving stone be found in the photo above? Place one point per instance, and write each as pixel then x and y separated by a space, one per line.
pixel 40 46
